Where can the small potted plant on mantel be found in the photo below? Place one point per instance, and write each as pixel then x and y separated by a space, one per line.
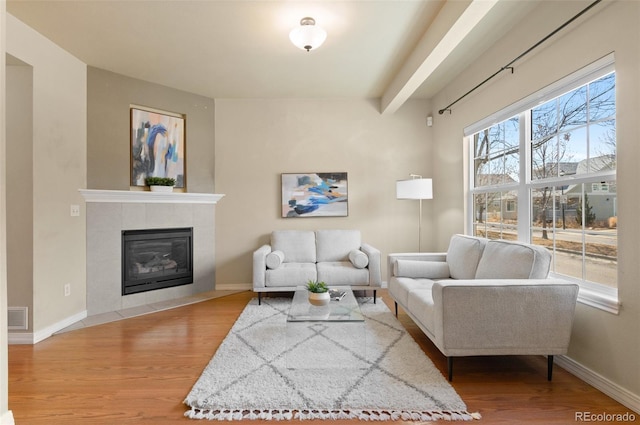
pixel 160 184
pixel 318 293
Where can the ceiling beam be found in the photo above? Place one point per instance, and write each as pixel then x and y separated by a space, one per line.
pixel 454 22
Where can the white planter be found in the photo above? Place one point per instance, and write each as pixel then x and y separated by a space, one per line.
pixel 161 188
pixel 321 298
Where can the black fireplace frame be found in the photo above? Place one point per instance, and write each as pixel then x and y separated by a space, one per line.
pixel 134 286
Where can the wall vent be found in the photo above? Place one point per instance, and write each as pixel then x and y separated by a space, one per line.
pixel 18 318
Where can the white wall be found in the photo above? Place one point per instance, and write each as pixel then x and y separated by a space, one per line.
pixel 257 140
pixel 59 170
pixel 607 344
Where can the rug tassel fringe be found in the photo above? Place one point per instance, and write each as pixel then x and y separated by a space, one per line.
pixel 365 415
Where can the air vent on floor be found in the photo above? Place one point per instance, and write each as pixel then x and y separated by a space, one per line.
pixel 18 318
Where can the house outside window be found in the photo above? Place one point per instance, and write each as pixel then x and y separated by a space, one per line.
pixel 546 174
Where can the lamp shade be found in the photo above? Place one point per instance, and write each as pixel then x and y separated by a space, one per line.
pixel 414 189
pixel 308 35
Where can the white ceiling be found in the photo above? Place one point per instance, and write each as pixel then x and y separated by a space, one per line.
pixel 388 49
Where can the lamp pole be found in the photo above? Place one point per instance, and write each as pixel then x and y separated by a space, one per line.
pixel 420 227
pixel 417 176
pixel 416 188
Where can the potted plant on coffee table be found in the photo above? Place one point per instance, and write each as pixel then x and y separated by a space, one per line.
pixel 318 292
pixel 160 184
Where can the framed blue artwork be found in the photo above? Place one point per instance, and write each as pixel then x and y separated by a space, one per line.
pixel 314 195
pixel 158 146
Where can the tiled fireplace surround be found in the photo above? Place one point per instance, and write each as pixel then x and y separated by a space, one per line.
pixel 111 211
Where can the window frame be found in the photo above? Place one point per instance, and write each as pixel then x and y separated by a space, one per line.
pixel 593 294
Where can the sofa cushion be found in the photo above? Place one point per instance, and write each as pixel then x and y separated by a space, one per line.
pixel 513 260
pixel 421 305
pixel 291 274
pixel 335 245
pixel 421 269
pixel 464 255
pixel 298 246
pixel 341 273
pixel 274 259
pixel 400 287
pixel 358 258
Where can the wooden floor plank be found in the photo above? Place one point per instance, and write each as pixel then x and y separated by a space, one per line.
pixel 139 370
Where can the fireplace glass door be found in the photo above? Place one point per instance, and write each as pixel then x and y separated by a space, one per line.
pixel 155 259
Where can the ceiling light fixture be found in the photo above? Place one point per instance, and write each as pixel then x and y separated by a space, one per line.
pixel 308 36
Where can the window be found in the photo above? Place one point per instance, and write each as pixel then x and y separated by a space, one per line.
pixel 547 175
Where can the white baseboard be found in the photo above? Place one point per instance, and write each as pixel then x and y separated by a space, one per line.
pixel 20 338
pixel 234 287
pixel 613 390
pixel 7 418
pixel 15 338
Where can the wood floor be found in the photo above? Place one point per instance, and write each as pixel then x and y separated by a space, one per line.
pixel 139 370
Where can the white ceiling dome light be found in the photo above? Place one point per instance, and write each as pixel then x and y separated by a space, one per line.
pixel 308 36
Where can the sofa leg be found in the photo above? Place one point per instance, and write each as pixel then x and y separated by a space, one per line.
pixel 396 306
pixel 450 368
pixel 549 368
pixel 374 296
pixel 259 298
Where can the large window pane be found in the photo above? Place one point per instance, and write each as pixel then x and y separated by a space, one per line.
pixel 542 213
pixel 572 109
pixel 602 98
pixel 512 168
pixel 572 146
pixel 494 150
pixel 601 263
pixel 482 173
pixel 544 120
pixel 544 158
pixel 479 214
pixel 512 133
pixel 602 140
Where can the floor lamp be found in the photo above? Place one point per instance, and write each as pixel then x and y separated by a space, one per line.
pixel 415 188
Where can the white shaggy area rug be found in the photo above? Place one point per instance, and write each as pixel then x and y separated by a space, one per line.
pixel 250 375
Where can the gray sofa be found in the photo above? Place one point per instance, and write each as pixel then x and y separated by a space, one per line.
pixel 337 257
pixel 485 297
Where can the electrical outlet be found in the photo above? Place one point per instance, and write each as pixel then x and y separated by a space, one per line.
pixel 67 289
pixel 75 210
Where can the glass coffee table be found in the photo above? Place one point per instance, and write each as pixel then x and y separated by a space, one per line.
pixel 327 336
pixel 344 310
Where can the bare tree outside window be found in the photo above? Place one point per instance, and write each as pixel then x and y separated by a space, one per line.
pixel 561 133
pixel 571 171
pixel 496 162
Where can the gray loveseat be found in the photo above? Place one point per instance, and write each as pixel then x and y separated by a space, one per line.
pixel 337 257
pixel 485 297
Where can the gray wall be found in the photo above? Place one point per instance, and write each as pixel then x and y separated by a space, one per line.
pixel 5 413
pixel 109 97
pixel 20 195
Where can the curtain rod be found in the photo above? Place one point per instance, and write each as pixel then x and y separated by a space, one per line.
pixel 523 54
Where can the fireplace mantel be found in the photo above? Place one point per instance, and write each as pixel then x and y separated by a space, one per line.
pixel 138 196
